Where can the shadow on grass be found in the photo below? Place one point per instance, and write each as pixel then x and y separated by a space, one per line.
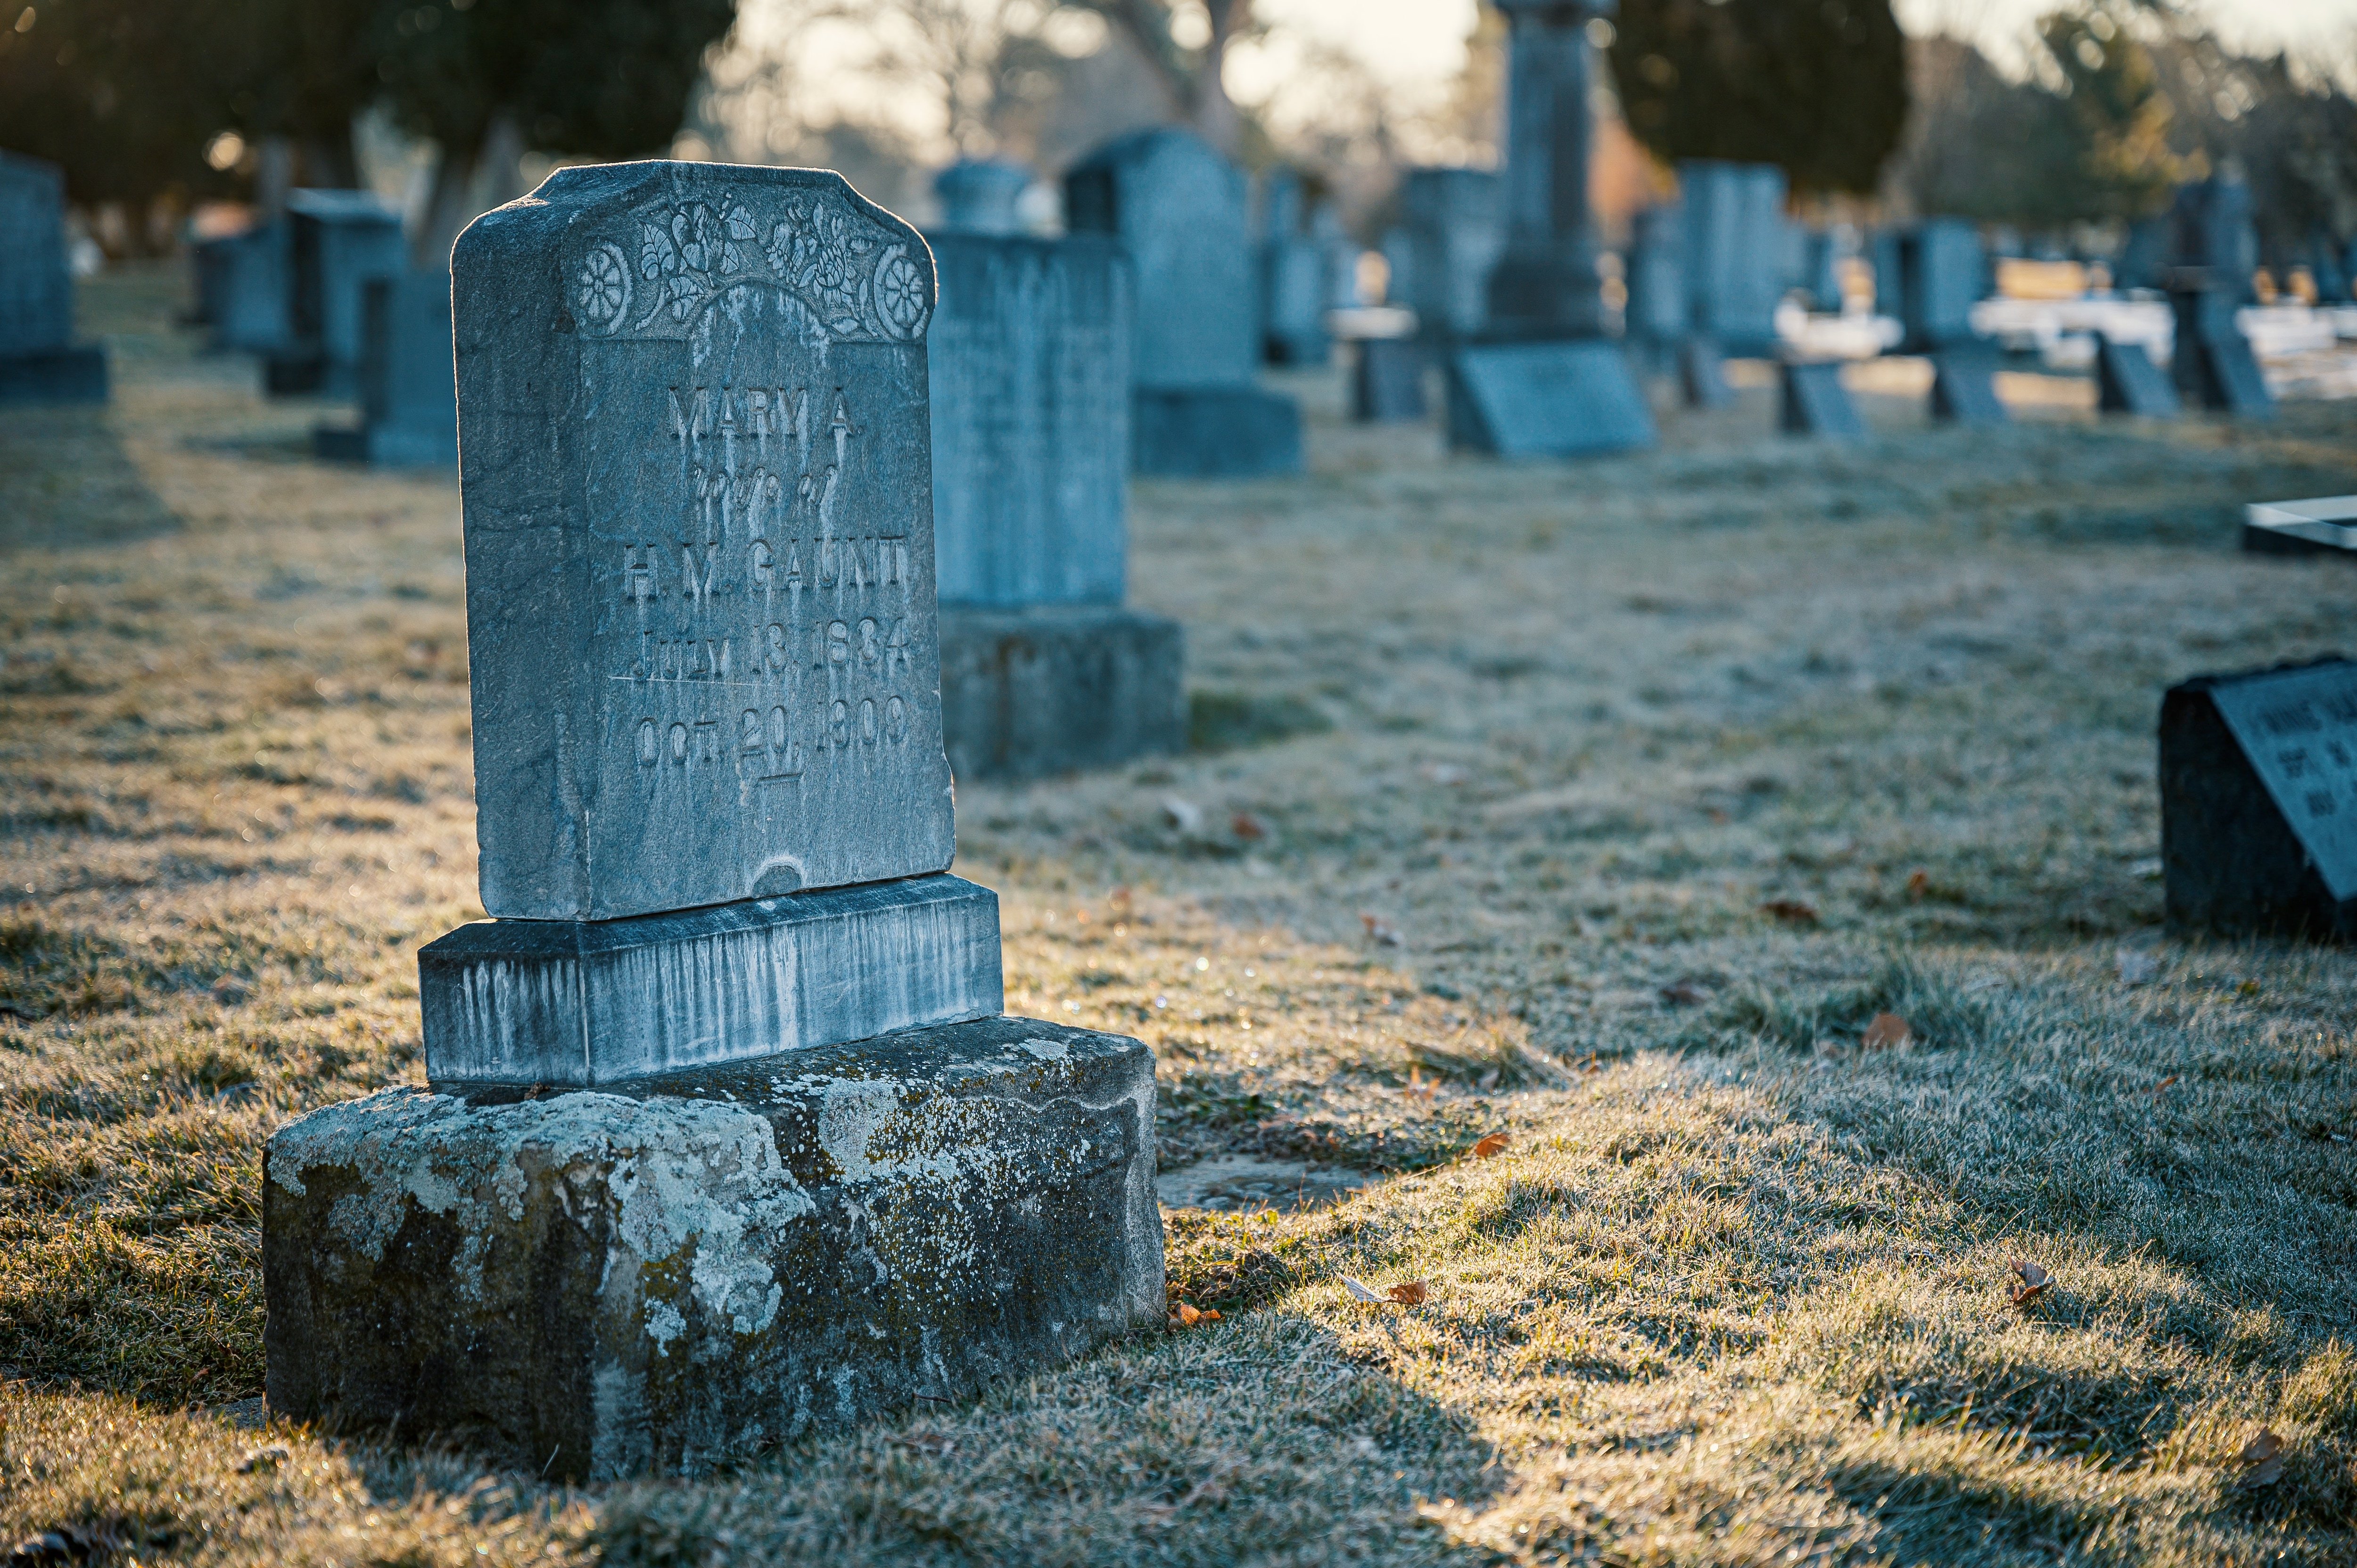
pixel 66 483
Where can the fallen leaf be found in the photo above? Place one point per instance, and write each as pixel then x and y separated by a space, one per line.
pixel 1248 826
pixel 1188 1316
pixel 1381 930
pixel 1408 1293
pixel 1888 1030
pixel 1918 883
pixel 1360 1293
pixel 2136 967
pixel 2263 1458
pixel 1182 814
pixel 2035 1282
pixel 1684 993
pixel 2164 1083
pixel 1792 912
pixel 1492 1147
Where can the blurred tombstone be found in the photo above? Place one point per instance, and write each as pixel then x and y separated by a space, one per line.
pixel 1452 231
pixel 2325 267
pixel 2258 802
pixel 1180 210
pixel 982 196
pixel 2211 230
pixel 1655 319
pixel 1734 224
pixel 249 306
pixel 2128 381
pixel 1387 382
pixel 1702 375
pixel 1964 387
pixel 1545 287
pixel 1294 267
pixel 1821 262
pixel 2212 361
pixel 338 241
pixel 1562 399
pixel 1882 248
pixel 1043 667
pixel 2323 525
pixel 1944 272
pixel 409 404
pixel 1815 403
pixel 2144 254
pixel 39 361
pixel 2214 257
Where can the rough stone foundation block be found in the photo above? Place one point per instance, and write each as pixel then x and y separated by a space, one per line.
pixel 681 1272
pixel 54 375
pixel 1026 693
pixel 593 1002
pixel 1213 433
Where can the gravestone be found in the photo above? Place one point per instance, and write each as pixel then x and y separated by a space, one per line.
pixel 2143 255
pixel 1387 382
pixel 2258 802
pixel 2212 361
pixel 1734 219
pixel 1452 232
pixel 1820 271
pixel 1178 209
pixel 250 302
pixel 409 404
pixel 2128 381
pixel 1815 403
pixel 1043 669
pixel 1702 375
pixel 1964 387
pixel 338 241
pixel 1294 274
pixel 40 360
pixel 1944 272
pixel 1655 319
pixel 1545 287
pixel 1546 399
pixel 2324 526
pixel 982 196
pixel 724 1142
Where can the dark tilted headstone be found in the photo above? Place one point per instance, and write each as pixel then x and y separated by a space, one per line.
pixel 1387 382
pixel 338 241
pixel 1178 207
pixel 1452 228
pixel 1815 403
pixel 2128 381
pixel 1702 375
pixel 2326 525
pixel 1821 268
pixel 2258 802
pixel 409 404
pixel 1655 319
pixel 714 814
pixel 1546 399
pixel 2144 254
pixel 1734 217
pixel 40 360
pixel 1043 670
pixel 2212 361
pixel 982 196
pixel 1944 272
pixel 1964 387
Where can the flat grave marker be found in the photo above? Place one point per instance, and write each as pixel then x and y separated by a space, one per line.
pixel 1815 403
pixel 2326 525
pixel 1567 399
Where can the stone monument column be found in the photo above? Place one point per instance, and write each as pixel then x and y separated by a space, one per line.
pixel 1546 285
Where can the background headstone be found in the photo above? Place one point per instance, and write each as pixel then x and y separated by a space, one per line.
pixel 1656 320
pixel 1546 399
pixel 2258 802
pixel 982 196
pixel 409 402
pixel 1452 232
pixel 1295 269
pixel 2128 381
pixel 339 240
pixel 1944 272
pixel 1702 375
pixel 2326 525
pixel 1387 382
pixel 2211 360
pixel 250 314
pixel 1546 284
pixel 1733 218
pixel 1815 403
pixel 1964 387
pixel 39 361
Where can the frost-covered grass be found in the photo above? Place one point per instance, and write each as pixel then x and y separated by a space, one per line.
pixel 1736 1292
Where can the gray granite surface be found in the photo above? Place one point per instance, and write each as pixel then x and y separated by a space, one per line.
pixel 36 289
pixel 1180 210
pixel 1034 693
pixel 699 511
pixel 1561 399
pixel 1733 221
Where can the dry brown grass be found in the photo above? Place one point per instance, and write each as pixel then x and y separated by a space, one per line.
pixel 1735 1293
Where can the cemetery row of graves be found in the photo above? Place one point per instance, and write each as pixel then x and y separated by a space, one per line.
pixel 939 917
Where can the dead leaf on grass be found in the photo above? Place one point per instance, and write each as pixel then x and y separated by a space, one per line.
pixel 1187 1317
pixel 1492 1147
pixel 2164 1083
pixel 1416 1088
pixel 1382 931
pixel 1409 1292
pixel 2263 1460
pixel 1248 826
pixel 2035 1282
pixel 1886 1031
pixel 1792 912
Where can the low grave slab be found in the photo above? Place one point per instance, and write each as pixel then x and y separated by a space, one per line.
pixel 1575 398
pixel 2324 526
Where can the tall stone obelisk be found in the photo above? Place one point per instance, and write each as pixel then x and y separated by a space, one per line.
pixel 1545 285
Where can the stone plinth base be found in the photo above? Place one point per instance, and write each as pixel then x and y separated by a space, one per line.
pixel 54 375
pixel 1213 433
pixel 674 1274
pixel 1576 397
pixel 578 1003
pixel 386 447
pixel 1030 693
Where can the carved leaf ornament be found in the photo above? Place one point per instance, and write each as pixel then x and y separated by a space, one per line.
pixel 853 276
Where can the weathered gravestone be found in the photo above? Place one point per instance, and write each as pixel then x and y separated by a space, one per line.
pixel 338 241
pixel 2258 802
pixel 1964 387
pixel 1043 669
pixel 1702 375
pixel 1546 399
pixel 1654 270
pixel 249 310
pixel 700 1169
pixel 2213 253
pixel 2324 526
pixel 982 196
pixel 1294 273
pixel 1814 402
pixel 1452 232
pixel 1943 274
pixel 1387 382
pixel 409 405
pixel 40 360
pixel 1178 207
pixel 1733 221
pixel 2128 381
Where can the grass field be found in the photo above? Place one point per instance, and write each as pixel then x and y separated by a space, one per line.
pixel 1600 805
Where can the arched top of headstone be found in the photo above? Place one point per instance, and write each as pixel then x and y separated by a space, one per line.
pixel 982 196
pixel 648 248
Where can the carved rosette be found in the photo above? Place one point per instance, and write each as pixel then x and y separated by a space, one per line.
pixel 855 277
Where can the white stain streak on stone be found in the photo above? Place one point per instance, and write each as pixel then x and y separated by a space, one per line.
pixel 665 1323
pixel 1049 1051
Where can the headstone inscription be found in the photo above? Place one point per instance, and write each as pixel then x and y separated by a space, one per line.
pixel 1546 399
pixel 1044 670
pixel 2258 802
pixel 1964 387
pixel 338 241
pixel 409 404
pixel 39 361
pixel 1814 402
pixel 982 196
pixel 1733 218
pixel 1180 210
pixel 2128 381
pixel 2326 525
pixel 1452 226
pixel 700 590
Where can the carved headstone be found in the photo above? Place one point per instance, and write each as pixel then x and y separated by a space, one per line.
pixel 39 361
pixel 2258 802
pixel 1178 207
pixel 1546 285
pixel 982 196
pixel 409 405
pixel 1452 232
pixel 694 431
pixel 1814 402
pixel 1546 399
pixel 1734 217
pixel 338 242
pixel 2128 381
pixel 2324 526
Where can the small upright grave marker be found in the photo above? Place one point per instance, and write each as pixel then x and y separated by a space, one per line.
pixel 39 361
pixel 1816 402
pixel 1387 380
pixel 339 240
pixel 1963 388
pixel 2258 800
pixel 2128 381
pixel 409 404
